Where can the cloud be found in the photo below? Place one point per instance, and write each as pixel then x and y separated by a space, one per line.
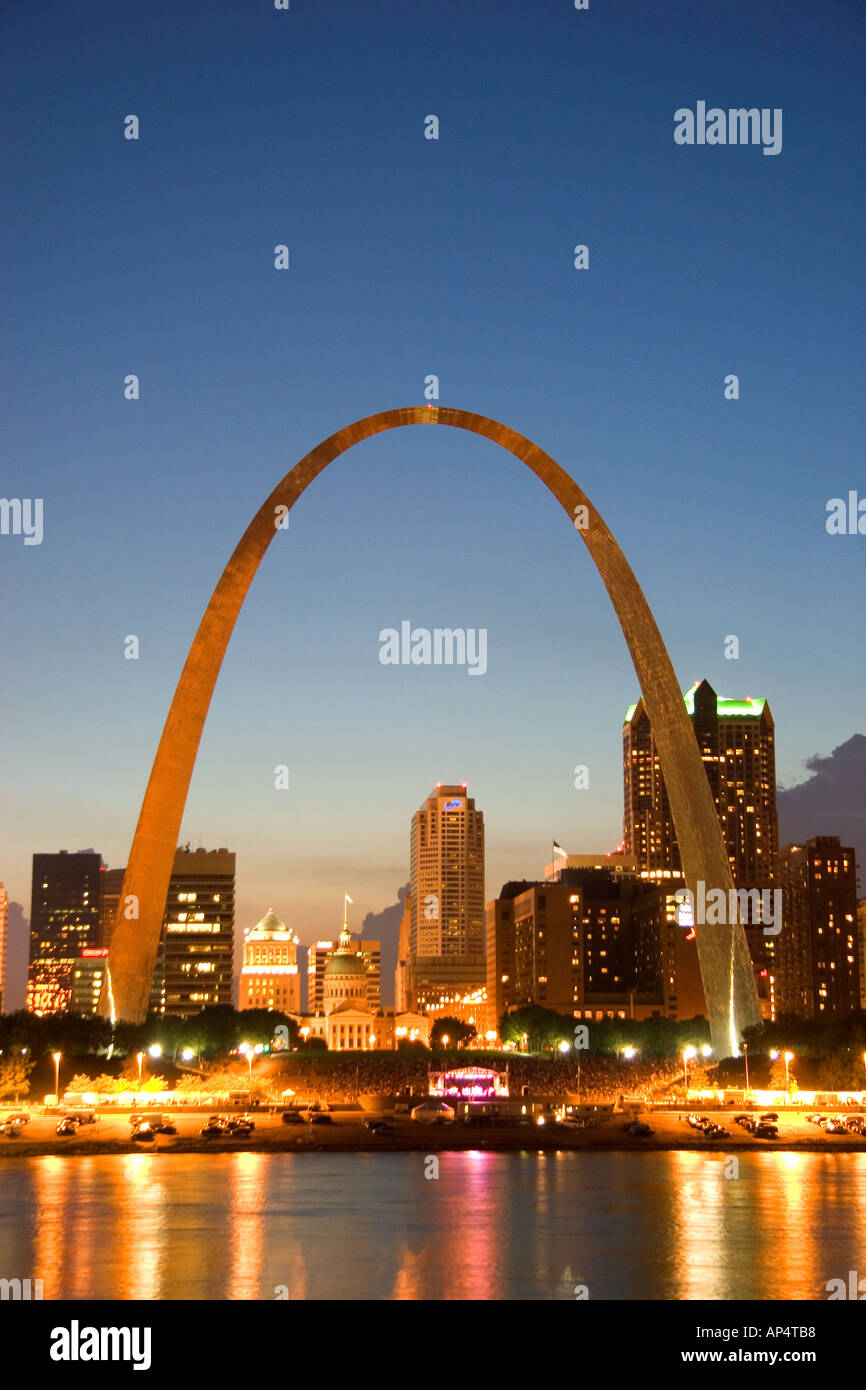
pixel 830 802
pixel 384 926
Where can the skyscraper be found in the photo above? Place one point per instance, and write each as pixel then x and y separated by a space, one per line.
pixel 736 739
pixel 737 743
pixel 194 963
pixel 112 883
pixel 446 901
pixel 64 921
pixel 446 860
pixel 269 974
pixel 817 959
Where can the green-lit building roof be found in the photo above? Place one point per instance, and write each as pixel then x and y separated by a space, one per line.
pixel 726 709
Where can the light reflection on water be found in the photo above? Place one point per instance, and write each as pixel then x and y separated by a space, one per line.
pixel 492 1226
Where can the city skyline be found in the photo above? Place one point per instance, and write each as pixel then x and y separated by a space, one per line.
pixel 512 866
pixel 617 370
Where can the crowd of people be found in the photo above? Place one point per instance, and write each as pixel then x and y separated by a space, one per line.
pixel 341 1078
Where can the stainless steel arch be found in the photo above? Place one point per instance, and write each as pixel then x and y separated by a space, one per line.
pixel 723 952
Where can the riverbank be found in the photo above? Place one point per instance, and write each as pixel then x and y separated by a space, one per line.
pixel 347 1133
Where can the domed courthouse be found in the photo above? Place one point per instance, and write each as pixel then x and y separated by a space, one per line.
pixel 348 1023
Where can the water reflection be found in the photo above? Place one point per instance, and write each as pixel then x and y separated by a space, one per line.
pixel 386 1226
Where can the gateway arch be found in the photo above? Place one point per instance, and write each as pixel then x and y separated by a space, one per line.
pixel 725 963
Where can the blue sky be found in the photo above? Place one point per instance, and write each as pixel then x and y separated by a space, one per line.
pixel 410 257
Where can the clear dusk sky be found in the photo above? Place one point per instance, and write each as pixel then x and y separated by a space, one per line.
pixel 410 257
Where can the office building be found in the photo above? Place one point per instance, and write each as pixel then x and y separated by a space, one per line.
pixel 88 973
pixel 112 883
pixel 194 963
pixel 817 958
pixel 269 976
pixel 64 920
pixel 592 945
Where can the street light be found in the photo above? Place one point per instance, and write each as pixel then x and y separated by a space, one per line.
pixel 57 1056
pixel 628 1053
pixel 789 1057
pixel 564 1047
pixel 248 1053
pixel 139 1057
pixel 155 1050
pixel 746 1054
pixel 688 1053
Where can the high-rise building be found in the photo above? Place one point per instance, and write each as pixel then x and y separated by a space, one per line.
pixel 400 974
pixel 317 959
pixel 4 920
pixel 269 974
pixel 446 859
pixel 861 933
pixel 817 958
pixel 194 962
pixel 736 739
pixel 590 945
pixel 64 920
pixel 737 743
pixel 88 972
pixel 112 883
pixel 446 968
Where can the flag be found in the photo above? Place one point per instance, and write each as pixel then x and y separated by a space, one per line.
pixel 557 849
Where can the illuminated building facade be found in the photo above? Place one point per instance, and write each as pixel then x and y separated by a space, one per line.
pixel 817 963
pixel 64 920
pixel 194 962
pixel 446 873
pixel 269 975
pixel 861 932
pixel 590 945
pixel 87 975
pixel 736 739
pixel 449 987
pixel 111 884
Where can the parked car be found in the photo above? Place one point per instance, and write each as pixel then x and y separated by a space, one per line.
pixel 18 1117
pixel 66 1127
pixel 320 1118
pixel 835 1126
pixel 213 1128
pixel 747 1122
pixel 247 1119
pixel 766 1131
pixel 638 1130
pixel 771 1116
pixel 11 1129
pixel 143 1133
pixel 292 1117
pixel 379 1127
pixel 696 1121
pixel 165 1126
pixel 241 1129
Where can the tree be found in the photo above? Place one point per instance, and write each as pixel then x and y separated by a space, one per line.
pixel 454 1029
pixel 14 1072
pixel 542 1027
pixel 780 1079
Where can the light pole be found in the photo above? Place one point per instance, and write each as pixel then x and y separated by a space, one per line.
pixel 789 1057
pixel 688 1052
pixel 139 1057
pixel 57 1056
